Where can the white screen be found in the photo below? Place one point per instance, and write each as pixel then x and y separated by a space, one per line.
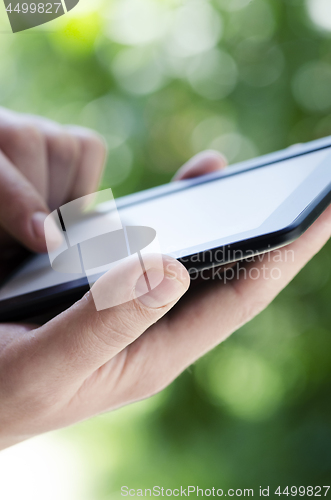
pixel 224 207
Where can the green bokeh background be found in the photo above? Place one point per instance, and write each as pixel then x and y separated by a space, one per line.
pixel 162 80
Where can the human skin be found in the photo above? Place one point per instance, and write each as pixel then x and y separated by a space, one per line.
pixel 84 362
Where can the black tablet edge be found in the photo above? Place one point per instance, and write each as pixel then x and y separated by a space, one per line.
pixel 34 303
pixel 30 304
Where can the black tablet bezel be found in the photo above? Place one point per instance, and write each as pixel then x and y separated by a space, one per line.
pixel 30 304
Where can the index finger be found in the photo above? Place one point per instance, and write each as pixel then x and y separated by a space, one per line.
pixel 91 161
pixel 88 159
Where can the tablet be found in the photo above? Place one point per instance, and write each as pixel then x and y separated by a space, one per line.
pixel 247 209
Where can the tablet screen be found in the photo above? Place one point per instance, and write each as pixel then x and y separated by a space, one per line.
pixel 189 218
pixel 224 207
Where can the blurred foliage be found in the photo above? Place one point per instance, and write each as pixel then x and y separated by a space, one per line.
pixel 162 80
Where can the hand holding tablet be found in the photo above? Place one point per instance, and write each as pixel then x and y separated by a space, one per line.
pixel 84 362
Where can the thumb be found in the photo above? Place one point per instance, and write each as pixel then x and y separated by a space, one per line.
pixel 82 339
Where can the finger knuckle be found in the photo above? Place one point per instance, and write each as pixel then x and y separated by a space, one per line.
pixel 21 137
pixel 114 332
pixel 65 147
pixel 29 134
pixel 120 328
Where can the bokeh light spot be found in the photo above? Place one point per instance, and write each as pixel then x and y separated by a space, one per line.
pixel 320 13
pixel 245 383
pixel 256 19
pixel 138 71
pixel 312 86
pixel 213 74
pixel 209 129
pixel 235 146
pixel 135 22
pixel 260 64
pixel 111 117
pixel 196 28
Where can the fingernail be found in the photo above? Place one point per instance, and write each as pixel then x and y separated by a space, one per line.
pixel 169 290
pixel 54 236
